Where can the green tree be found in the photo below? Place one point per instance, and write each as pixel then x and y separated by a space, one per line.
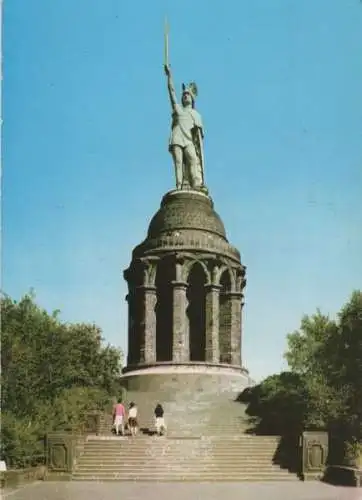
pixel 52 373
pixel 347 363
pixel 328 354
pixel 324 386
pixel 278 405
pixel 304 344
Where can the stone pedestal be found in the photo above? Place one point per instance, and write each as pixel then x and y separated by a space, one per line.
pixel 171 380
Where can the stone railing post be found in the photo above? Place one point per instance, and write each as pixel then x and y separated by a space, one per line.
pixel 61 452
pixel 147 326
pixel 236 304
pixel 212 354
pixel 314 454
pixel 180 348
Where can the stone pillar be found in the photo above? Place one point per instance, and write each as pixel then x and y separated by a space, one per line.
pixel 180 348
pixel 236 304
pixel 147 326
pixel 131 333
pixel 212 354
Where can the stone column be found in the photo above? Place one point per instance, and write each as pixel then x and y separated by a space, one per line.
pixel 131 332
pixel 212 354
pixel 180 330
pixel 236 304
pixel 147 326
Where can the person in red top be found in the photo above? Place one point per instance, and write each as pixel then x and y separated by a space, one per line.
pixel 119 414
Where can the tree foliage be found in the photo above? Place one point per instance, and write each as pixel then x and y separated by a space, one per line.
pixel 52 373
pixel 280 402
pixel 324 386
pixel 329 356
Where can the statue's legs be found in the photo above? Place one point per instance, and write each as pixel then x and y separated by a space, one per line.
pixel 194 167
pixel 185 176
pixel 177 155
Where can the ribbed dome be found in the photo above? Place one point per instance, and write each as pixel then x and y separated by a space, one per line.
pixel 186 210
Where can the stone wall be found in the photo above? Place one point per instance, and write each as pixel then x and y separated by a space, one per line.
pixel 175 380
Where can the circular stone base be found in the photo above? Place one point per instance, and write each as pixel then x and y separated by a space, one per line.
pixel 175 379
pixel 196 192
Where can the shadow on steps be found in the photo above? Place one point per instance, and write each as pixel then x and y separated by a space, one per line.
pixel 271 411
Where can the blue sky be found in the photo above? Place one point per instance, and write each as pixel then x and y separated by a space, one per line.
pixel 86 124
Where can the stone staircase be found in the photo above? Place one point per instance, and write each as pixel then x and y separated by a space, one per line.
pixel 206 440
pixel 242 458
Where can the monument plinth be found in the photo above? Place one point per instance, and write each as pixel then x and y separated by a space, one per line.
pixel 185 300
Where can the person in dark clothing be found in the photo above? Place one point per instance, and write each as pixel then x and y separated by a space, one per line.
pixel 159 420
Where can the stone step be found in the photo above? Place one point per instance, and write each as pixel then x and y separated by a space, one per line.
pixel 151 452
pixel 172 471
pixel 184 423
pixel 250 451
pixel 164 465
pixel 234 438
pixel 103 454
pixel 173 441
pixel 198 430
pixel 143 422
pixel 178 437
pixel 167 444
pixel 182 416
pixel 197 477
pixel 201 455
pixel 173 459
pixel 200 423
pixel 179 453
pixel 200 463
pixel 106 454
pixel 179 431
pixel 182 479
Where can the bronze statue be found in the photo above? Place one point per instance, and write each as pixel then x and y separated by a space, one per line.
pixel 186 140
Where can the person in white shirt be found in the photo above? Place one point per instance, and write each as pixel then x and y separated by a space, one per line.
pixel 132 418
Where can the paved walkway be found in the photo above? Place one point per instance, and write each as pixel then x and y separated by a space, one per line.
pixel 180 491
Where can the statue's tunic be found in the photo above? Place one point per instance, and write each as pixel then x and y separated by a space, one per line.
pixel 183 121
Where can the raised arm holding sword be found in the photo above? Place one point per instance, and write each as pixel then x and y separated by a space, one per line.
pixel 186 140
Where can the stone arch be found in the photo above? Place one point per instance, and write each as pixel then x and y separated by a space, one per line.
pixel 196 311
pixel 225 269
pixel 225 316
pixel 189 266
pixel 165 274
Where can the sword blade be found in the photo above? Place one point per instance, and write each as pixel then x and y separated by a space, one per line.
pixel 166 32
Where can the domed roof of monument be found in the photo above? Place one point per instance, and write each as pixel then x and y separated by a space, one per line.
pixel 186 210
